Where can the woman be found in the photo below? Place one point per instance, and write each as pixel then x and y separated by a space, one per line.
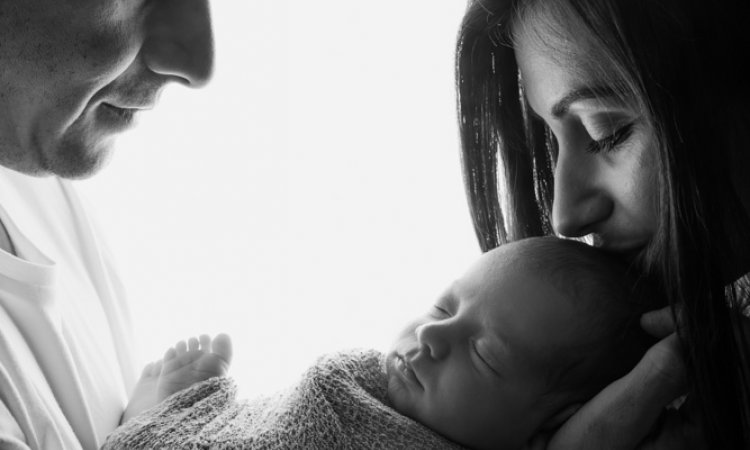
pixel 626 122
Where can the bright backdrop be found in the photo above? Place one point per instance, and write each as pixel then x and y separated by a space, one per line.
pixel 309 199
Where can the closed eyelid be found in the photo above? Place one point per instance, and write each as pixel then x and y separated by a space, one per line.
pixel 441 310
pixel 580 111
pixel 451 298
pixel 489 354
pixel 603 115
pixel 600 94
pixel 446 304
pixel 604 124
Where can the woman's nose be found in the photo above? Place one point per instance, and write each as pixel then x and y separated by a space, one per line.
pixel 433 339
pixel 581 204
pixel 179 41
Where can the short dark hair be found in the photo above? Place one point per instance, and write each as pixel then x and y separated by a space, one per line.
pixel 611 295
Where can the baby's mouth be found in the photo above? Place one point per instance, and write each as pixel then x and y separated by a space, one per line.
pixel 405 370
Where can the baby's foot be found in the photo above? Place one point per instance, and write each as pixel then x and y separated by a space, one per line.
pixel 144 394
pixel 197 360
pixel 183 365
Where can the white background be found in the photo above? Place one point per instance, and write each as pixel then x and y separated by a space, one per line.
pixel 310 199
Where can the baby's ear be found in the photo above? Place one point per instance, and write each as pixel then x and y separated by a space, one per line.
pixel 560 417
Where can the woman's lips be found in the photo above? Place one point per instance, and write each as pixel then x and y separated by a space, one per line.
pixel 616 245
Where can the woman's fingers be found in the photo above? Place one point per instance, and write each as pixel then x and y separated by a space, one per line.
pixel 679 430
pixel 662 365
pixel 659 323
pixel 624 413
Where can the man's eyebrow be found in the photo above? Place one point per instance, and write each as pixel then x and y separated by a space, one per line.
pixel 560 108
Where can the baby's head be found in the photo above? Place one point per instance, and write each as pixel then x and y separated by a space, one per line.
pixel 531 331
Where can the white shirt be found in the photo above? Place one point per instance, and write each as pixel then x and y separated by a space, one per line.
pixel 66 349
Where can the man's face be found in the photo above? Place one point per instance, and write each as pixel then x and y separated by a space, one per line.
pixel 73 73
pixel 476 367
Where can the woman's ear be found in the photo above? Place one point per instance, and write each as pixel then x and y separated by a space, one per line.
pixel 560 417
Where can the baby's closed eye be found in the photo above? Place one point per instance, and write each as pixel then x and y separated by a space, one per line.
pixel 486 356
pixel 439 312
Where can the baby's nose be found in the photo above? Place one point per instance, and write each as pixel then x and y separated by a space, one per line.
pixel 433 340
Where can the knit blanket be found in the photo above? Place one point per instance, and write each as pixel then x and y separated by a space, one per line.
pixel 339 403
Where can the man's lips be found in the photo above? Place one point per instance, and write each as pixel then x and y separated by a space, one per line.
pixel 125 114
pixel 113 118
pixel 133 107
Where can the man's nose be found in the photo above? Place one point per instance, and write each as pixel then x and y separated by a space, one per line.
pixel 179 41
pixel 433 339
pixel 581 204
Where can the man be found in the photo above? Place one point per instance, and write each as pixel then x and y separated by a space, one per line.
pixel 73 73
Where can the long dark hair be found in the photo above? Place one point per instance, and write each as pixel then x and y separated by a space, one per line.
pixel 680 60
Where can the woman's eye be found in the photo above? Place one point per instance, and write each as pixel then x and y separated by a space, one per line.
pixel 611 142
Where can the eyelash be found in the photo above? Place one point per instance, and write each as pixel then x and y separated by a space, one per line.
pixel 610 142
pixel 441 311
pixel 479 355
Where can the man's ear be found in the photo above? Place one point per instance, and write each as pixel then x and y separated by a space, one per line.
pixel 560 417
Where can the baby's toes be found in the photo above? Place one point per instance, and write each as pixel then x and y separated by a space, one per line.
pixel 178 357
pixel 193 344
pixel 151 370
pixel 170 354
pixel 222 347
pixel 205 343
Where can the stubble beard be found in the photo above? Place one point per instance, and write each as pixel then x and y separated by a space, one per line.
pixel 76 156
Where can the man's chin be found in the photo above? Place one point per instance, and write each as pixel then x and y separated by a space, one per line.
pixel 77 161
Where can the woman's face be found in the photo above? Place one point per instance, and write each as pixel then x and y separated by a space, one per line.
pixel 605 174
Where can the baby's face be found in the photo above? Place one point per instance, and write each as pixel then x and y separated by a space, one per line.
pixel 475 367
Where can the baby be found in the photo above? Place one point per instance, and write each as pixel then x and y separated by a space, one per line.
pixel 532 330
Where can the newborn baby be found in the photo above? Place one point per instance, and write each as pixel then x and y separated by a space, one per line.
pixel 532 330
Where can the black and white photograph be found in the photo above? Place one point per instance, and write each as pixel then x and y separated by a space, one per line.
pixel 297 224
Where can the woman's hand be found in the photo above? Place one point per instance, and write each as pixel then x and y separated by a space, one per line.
pixel 679 428
pixel 630 413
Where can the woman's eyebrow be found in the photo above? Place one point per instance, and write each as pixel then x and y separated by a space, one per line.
pixel 562 106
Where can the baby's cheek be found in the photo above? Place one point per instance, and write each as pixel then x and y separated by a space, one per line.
pixel 398 396
pixel 403 400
